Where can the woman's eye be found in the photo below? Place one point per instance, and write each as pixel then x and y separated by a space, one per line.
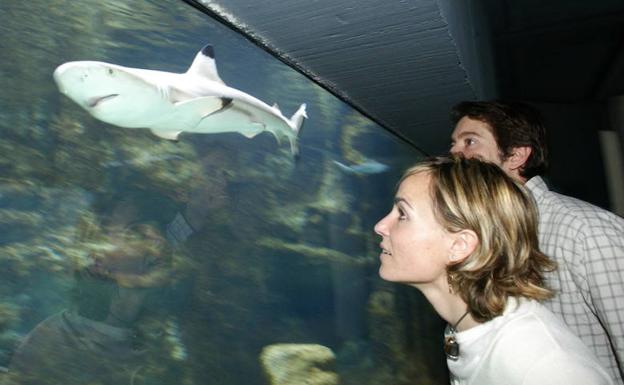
pixel 402 215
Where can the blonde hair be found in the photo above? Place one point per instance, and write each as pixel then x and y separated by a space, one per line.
pixel 470 194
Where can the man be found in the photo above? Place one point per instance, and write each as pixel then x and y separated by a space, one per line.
pixel 587 242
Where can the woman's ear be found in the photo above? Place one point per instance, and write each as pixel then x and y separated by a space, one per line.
pixel 464 243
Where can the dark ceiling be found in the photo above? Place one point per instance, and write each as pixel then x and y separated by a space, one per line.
pixel 558 51
pixel 404 63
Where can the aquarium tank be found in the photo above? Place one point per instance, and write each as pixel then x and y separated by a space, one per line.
pixel 132 254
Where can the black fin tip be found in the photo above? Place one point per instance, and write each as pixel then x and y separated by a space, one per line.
pixel 208 51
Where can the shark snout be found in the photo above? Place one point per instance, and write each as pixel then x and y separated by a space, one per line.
pixel 69 76
pixel 58 76
pixel 86 83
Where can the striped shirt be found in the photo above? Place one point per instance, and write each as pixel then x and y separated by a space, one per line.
pixel 588 244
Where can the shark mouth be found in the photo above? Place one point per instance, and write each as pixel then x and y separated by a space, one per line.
pixel 94 102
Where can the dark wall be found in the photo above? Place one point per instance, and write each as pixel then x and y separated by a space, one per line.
pixel 576 166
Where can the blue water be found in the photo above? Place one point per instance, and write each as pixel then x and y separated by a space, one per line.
pixel 94 287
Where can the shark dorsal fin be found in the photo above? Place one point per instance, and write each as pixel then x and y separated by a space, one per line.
pixel 204 65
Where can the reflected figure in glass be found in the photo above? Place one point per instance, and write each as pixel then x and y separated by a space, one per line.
pixel 118 325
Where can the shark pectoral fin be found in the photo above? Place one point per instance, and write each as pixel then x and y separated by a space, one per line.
pixel 169 135
pixel 251 132
pixel 202 107
pixel 249 135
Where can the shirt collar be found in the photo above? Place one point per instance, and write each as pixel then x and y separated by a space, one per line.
pixel 537 187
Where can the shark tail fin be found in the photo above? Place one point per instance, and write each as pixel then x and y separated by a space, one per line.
pixel 296 123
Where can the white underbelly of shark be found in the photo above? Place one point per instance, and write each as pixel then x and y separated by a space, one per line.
pixel 167 103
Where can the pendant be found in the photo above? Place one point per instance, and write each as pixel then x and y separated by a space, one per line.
pixel 451 348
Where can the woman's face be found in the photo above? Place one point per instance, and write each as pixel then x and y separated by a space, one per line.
pixel 415 247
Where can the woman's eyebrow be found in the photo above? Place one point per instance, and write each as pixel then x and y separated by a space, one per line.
pixel 398 200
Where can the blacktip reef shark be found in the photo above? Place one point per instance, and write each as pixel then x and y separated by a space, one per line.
pixel 171 103
pixel 368 167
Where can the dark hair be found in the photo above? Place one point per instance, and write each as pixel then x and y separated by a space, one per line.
pixel 513 124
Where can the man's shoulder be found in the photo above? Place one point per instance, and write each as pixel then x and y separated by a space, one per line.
pixel 551 203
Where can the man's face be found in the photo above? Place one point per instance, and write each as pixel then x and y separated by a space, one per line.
pixel 474 139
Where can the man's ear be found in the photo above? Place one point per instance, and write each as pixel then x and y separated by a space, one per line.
pixel 518 157
pixel 464 243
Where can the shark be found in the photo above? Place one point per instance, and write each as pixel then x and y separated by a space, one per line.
pixel 367 167
pixel 168 103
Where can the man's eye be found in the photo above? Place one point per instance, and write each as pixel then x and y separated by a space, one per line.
pixel 469 141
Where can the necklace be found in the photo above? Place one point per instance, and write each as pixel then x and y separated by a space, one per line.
pixel 451 346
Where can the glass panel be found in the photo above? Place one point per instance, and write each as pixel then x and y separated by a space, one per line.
pixel 127 258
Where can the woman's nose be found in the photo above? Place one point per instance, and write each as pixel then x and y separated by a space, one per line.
pixel 380 227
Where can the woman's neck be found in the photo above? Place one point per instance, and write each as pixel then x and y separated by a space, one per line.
pixel 450 307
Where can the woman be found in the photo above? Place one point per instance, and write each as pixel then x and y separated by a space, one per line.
pixel 464 234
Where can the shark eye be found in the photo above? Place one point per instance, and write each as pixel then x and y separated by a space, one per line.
pixel 110 71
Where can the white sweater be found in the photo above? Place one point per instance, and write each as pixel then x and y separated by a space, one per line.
pixel 527 345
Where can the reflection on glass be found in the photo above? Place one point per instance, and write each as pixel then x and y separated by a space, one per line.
pixel 113 327
pixel 127 258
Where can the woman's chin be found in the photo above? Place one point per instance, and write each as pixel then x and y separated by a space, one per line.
pixel 385 274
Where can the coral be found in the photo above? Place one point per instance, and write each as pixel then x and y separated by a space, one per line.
pixel 354 128
pixel 9 313
pixel 295 364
